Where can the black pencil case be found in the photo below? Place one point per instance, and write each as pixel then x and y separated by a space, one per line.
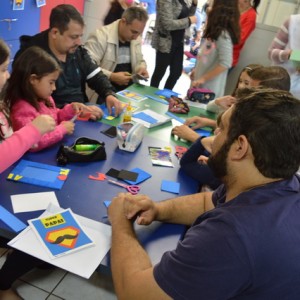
pixel 83 150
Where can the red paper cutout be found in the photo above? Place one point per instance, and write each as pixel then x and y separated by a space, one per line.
pixel 180 150
pixel 84 116
pixel 100 177
pixel 62 177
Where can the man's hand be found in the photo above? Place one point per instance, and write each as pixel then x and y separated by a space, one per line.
pixel 225 101
pixel 143 72
pixel 120 78
pixel 133 207
pixel 198 122
pixel 112 101
pixel 185 132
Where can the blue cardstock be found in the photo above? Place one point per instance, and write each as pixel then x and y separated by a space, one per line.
pixel 170 186
pixel 39 174
pixel 142 176
pixel 10 220
pixel 141 115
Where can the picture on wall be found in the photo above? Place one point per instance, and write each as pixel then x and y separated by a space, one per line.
pixel 40 3
pixel 18 4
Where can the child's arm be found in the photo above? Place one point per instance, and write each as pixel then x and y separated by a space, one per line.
pixel 13 147
pixel 23 113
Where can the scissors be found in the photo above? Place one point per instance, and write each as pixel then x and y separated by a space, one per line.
pixel 132 189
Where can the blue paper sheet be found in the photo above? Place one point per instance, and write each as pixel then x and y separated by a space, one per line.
pixel 10 220
pixel 157 99
pixel 200 131
pixel 166 93
pixel 170 186
pixel 106 203
pixel 142 176
pixel 141 115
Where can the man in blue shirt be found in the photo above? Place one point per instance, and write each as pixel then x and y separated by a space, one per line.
pixel 244 238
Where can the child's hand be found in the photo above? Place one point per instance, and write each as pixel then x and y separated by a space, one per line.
pixel 225 101
pixel 69 126
pixel 81 109
pixel 96 112
pixel 78 107
pixel 199 82
pixel 44 123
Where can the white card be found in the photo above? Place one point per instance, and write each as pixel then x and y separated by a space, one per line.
pixel 33 201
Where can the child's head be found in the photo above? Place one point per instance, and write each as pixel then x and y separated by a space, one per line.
pixel 245 78
pixel 4 62
pixel 33 77
pixel 274 77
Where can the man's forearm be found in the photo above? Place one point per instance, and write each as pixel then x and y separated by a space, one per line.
pixel 127 263
pixel 185 209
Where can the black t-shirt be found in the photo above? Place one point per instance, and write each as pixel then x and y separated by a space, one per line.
pixel 178 35
pixel 124 63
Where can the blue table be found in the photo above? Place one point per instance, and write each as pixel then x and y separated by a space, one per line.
pixel 85 197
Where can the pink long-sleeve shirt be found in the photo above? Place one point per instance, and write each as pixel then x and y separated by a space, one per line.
pixel 15 144
pixel 23 113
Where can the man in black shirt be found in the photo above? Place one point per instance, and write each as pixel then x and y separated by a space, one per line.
pixel 63 41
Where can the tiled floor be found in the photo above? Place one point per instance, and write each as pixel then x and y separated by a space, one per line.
pixel 57 284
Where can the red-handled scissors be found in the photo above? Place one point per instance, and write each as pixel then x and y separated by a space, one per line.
pixel 132 189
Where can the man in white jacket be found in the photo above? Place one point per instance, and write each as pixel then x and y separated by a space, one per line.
pixel 117 48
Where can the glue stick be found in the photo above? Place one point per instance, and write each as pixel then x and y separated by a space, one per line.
pixel 128 113
pixel 86 147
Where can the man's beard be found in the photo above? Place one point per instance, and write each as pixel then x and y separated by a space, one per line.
pixel 218 161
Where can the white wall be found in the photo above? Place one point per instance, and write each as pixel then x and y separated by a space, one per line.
pixel 94 14
pixel 254 51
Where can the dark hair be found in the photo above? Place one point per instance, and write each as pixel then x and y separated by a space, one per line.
pixel 224 16
pixel 4 55
pixel 249 69
pixel 255 4
pixel 61 15
pixel 135 13
pixel 274 77
pixel 4 52
pixel 270 119
pixel 33 60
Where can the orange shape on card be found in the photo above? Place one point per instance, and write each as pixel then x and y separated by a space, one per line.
pixel 62 177
pixel 100 177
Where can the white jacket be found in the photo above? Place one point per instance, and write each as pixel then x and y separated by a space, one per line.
pixel 103 47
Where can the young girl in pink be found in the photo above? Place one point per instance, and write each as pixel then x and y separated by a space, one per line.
pixel 28 95
pixel 14 144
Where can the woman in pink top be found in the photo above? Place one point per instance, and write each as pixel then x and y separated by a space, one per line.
pixel 248 11
pixel 28 95
pixel 14 144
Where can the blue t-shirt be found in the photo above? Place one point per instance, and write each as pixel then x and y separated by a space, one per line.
pixel 247 248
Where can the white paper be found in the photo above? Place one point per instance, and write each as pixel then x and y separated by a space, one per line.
pixel 160 118
pixel 33 201
pixel 196 104
pixel 82 263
